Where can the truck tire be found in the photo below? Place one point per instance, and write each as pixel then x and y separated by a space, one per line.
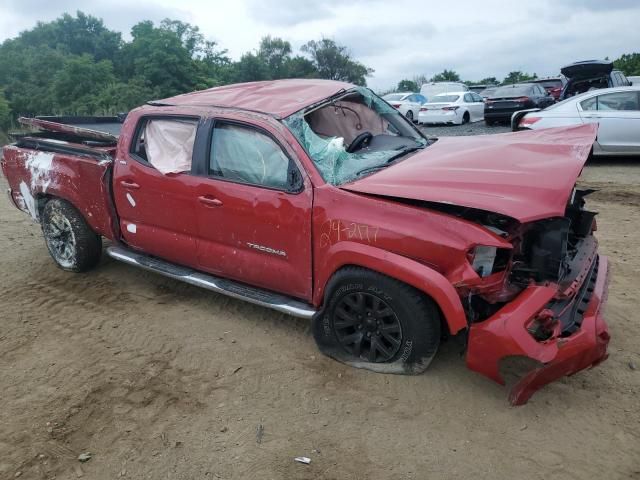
pixel 376 322
pixel 70 241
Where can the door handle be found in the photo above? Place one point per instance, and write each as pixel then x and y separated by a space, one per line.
pixel 210 201
pixel 129 185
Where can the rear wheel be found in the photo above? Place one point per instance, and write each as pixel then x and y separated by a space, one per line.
pixel 409 115
pixel 465 118
pixel 373 321
pixel 70 241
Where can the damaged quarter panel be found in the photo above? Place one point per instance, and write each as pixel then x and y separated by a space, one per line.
pixel 36 175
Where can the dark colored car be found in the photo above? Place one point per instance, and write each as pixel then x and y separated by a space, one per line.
pixel 590 75
pixel 487 92
pixel 552 85
pixel 509 99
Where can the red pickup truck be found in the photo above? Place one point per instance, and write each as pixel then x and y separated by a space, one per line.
pixel 318 199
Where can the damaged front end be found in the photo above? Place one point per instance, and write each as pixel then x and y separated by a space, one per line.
pixel 558 284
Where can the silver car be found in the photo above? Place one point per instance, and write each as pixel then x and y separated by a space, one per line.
pixel 616 110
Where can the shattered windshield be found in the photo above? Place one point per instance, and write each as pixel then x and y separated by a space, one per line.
pixel 353 135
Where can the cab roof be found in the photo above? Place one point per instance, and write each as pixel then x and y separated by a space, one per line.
pixel 278 98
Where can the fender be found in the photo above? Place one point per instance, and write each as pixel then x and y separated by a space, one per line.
pixel 411 272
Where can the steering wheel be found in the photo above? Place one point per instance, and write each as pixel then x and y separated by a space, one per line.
pixel 362 140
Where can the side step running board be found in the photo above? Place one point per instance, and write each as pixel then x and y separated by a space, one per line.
pixel 264 298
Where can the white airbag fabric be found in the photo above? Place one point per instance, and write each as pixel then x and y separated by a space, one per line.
pixel 169 144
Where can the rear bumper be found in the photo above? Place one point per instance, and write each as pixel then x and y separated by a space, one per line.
pixel 502 115
pixel 504 335
pixel 438 116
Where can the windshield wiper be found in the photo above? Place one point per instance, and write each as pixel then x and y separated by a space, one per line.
pixel 390 160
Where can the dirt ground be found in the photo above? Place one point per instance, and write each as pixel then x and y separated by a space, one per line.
pixel 162 380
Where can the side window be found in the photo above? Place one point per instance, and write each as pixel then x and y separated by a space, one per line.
pixel 615 82
pixel 589 104
pixel 468 98
pixel 618 101
pixel 476 97
pixel 165 143
pixel 245 155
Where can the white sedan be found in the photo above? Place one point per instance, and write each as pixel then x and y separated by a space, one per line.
pixel 453 108
pixel 407 103
pixel 616 110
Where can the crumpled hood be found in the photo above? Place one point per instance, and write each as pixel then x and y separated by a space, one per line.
pixel 526 175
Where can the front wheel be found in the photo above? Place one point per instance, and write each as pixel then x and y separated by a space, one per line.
pixel 70 241
pixel 376 322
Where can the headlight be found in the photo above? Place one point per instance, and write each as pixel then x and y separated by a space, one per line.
pixel 483 258
pixel 486 260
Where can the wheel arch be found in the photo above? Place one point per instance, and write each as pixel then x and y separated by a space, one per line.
pixel 413 273
pixel 90 211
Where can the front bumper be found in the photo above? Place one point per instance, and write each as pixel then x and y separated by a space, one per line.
pixel 504 335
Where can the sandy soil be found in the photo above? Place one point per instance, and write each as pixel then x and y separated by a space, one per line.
pixel 162 380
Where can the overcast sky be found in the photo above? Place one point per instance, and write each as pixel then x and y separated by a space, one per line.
pixel 399 38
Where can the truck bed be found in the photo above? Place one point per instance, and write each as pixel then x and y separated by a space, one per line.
pixel 63 160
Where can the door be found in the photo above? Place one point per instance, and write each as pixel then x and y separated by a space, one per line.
pixel 254 211
pixel 153 189
pixel 478 107
pixel 618 116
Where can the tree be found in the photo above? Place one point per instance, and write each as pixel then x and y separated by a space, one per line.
pixel 77 86
pixel 301 67
pixel 489 81
pixel 629 64
pixel 5 112
pixel 446 76
pixel 276 54
pixel 158 56
pixel 251 68
pixel 334 62
pixel 518 77
pixel 75 35
pixel 407 86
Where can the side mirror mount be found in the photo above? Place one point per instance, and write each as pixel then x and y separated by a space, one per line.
pixel 295 180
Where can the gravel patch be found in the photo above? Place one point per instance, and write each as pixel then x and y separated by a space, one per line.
pixel 477 128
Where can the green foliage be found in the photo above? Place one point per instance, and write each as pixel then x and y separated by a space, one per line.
pixel 446 76
pixel 407 86
pixel 518 77
pixel 334 62
pixel 629 64
pixel 75 85
pixel 75 65
pixel 5 112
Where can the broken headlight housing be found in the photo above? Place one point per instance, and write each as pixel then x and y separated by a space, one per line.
pixel 487 260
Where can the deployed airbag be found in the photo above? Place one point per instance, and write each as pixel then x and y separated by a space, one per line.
pixel 169 144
